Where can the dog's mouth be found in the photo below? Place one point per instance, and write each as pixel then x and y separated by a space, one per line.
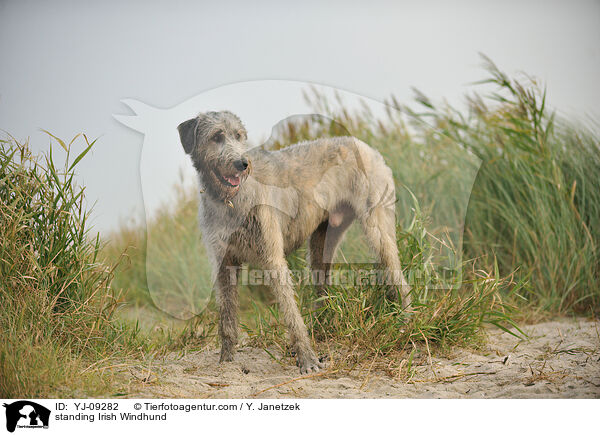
pixel 227 181
pixel 232 180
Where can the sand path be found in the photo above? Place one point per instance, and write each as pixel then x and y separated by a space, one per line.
pixel 561 359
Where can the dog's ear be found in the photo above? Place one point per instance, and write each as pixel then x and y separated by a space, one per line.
pixel 187 134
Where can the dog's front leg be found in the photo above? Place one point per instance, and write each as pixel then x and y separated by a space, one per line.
pixel 281 283
pixel 227 297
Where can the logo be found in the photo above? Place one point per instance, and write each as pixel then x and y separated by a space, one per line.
pixel 26 414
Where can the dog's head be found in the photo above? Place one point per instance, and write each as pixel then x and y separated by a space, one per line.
pixel 217 143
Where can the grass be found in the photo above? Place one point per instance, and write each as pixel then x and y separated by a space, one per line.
pixel 500 200
pixel 167 264
pixel 57 302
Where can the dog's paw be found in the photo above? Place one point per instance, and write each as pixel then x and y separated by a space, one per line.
pixel 226 356
pixel 309 363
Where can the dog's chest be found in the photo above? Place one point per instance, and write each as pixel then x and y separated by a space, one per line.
pixel 229 232
pixel 247 242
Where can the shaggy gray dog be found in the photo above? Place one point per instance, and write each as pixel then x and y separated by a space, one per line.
pixel 258 206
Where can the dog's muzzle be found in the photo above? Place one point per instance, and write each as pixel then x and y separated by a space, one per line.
pixel 234 180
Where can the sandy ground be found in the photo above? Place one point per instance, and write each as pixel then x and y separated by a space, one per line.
pixel 561 359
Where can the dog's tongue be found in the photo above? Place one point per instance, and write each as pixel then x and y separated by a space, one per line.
pixel 234 180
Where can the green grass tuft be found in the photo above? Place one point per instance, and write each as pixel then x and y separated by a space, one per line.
pixel 57 303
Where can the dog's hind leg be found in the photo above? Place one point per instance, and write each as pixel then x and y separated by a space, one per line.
pixel 227 298
pixel 379 225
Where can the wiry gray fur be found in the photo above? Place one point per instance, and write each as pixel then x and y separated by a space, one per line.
pixel 311 190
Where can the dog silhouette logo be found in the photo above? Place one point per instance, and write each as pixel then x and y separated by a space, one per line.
pixel 26 414
pixel 183 288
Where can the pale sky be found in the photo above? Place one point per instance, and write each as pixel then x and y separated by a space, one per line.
pixel 66 65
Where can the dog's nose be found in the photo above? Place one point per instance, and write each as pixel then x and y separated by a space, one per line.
pixel 241 165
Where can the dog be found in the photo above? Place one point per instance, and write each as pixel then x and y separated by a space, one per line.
pixel 257 206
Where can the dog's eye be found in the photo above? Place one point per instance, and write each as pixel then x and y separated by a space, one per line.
pixel 238 135
pixel 217 137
